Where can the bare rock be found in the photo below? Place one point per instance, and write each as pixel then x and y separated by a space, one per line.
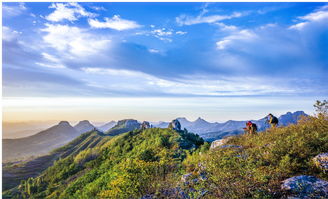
pixel 145 125
pixel 219 142
pixel 305 187
pixel 321 161
pixel 175 125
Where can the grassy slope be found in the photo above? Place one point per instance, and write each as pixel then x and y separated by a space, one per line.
pixel 128 165
pixel 256 171
pixel 13 173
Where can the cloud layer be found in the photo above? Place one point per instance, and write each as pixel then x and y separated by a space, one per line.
pixel 195 53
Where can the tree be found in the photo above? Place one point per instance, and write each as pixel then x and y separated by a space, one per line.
pixel 321 107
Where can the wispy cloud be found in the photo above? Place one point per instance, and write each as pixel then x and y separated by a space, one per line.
pixel 8 34
pixel 73 40
pixel 152 50
pixel 68 11
pixel 192 85
pixel 240 35
pixel 116 23
pixel 98 8
pixel 164 34
pixel 180 32
pixel 11 10
pixel 191 20
pixel 320 15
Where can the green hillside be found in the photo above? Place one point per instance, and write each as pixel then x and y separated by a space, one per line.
pixel 13 173
pixel 129 165
pixel 164 163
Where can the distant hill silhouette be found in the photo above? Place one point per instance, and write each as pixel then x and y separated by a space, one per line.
pixel 42 142
pixel 107 126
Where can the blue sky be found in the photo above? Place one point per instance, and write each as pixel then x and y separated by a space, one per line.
pixel 248 53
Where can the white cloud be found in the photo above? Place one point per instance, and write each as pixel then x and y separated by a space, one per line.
pixel 13 10
pixel 162 34
pixel 50 65
pixel 116 23
pixel 116 72
pixel 153 50
pixel 225 27
pixel 180 33
pixel 241 35
pixel 319 15
pixel 73 40
pixel 8 34
pixel 50 57
pixel 187 85
pixel 98 8
pixel 68 11
pixel 191 20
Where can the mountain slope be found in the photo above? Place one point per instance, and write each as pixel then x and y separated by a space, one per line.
pixel 107 126
pixel 123 126
pixel 13 173
pixel 40 143
pixel 129 165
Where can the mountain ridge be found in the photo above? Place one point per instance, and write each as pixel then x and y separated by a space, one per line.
pixel 211 131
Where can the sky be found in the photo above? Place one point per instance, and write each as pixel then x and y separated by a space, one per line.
pixel 159 61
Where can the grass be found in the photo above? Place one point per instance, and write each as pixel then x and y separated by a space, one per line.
pixel 256 170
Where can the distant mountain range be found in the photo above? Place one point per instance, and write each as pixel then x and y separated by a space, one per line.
pixel 62 133
pixel 44 141
pixel 212 131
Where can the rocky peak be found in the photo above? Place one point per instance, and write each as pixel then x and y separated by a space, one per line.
pixel 84 126
pixel 175 125
pixel 200 121
pixel 84 122
pixel 145 125
pixel 128 123
pixel 64 123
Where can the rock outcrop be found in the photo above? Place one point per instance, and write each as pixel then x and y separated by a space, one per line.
pixel 305 187
pixel 321 161
pixel 175 125
pixel 124 126
pixel 220 142
pixel 145 125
